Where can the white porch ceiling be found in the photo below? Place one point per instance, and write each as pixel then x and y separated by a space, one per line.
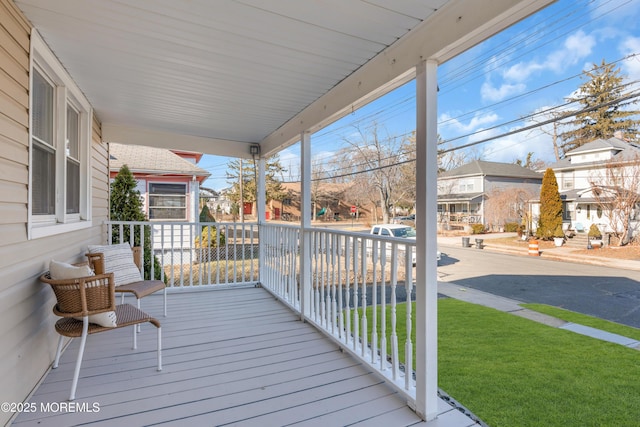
pixel 217 75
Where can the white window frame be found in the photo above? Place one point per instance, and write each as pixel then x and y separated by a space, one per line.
pixel 66 93
pixel 150 195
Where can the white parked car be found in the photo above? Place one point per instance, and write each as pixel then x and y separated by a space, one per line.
pixel 398 230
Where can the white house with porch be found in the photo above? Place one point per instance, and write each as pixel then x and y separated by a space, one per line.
pixel 463 192
pixel 586 168
pixel 238 79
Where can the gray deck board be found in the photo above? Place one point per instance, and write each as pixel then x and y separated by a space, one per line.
pixel 230 357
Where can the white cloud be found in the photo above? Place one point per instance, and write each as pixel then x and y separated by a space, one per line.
pixel 517 146
pixel 615 10
pixel 631 66
pixel 576 47
pixel 450 124
pixel 495 94
pixel 290 160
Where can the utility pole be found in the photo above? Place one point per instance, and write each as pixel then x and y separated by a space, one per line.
pixel 241 193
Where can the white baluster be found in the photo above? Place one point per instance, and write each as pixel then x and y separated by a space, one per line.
pixel 374 298
pixel 363 320
pixel 383 307
pixel 356 290
pixel 394 336
pixel 347 293
pixel 315 269
pixel 340 306
pixel 334 297
pixel 408 347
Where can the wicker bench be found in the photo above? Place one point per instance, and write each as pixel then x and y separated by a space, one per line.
pixel 87 296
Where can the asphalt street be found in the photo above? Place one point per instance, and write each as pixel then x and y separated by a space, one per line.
pixel 604 292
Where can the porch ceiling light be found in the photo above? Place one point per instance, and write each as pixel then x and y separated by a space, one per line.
pixel 579 210
pixel 254 149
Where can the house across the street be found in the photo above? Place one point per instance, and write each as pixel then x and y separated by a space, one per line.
pixel 607 165
pixel 464 193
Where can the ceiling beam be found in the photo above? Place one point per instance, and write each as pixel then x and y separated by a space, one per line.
pixel 173 141
pixel 454 28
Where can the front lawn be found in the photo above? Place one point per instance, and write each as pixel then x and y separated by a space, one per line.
pixel 511 371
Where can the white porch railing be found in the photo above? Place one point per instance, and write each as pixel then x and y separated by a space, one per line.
pixel 357 281
pixel 192 254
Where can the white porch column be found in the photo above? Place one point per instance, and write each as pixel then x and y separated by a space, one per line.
pixel 305 223
pixel 426 241
pixel 261 198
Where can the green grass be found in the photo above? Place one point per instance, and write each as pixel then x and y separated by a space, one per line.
pixel 511 371
pixel 583 319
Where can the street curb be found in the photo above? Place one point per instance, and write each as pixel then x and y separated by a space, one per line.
pixel 577 259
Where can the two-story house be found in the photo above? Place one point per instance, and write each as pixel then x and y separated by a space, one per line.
pixel 463 192
pixel 584 169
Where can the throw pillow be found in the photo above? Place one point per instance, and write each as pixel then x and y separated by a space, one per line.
pixel 106 319
pixel 64 271
pixel 118 259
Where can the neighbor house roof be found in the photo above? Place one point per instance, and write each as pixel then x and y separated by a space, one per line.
pixel 626 151
pixel 151 160
pixel 484 168
pixel 600 144
pixel 456 198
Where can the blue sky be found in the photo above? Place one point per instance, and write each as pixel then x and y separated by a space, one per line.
pixel 496 86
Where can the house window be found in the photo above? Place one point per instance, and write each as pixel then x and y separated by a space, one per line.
pixel 73 160
pixel 167 201
pixel 60 136
pixel 43 176
pixel 567 184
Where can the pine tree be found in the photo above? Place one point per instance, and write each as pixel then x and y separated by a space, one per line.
pixel 273 186
pixel 602 108
pixel 550 206
pixel 126 205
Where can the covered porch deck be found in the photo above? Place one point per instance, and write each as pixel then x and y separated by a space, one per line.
pixel 231 356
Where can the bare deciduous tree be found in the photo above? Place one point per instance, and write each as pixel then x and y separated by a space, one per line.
pixel 375 162
pixel 616 193
pixel 505 205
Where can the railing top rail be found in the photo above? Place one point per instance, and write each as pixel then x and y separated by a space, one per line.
pixel 153 222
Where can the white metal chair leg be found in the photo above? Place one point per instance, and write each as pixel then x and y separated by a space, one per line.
pixel 138 326
pixel 160 349
pixel 135 337
pixel 58 352
pixel 165 301
pixel 83 340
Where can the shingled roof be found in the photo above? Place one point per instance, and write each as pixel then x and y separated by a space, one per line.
pixel 484 168
pixel 624 152
pixel 151 160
